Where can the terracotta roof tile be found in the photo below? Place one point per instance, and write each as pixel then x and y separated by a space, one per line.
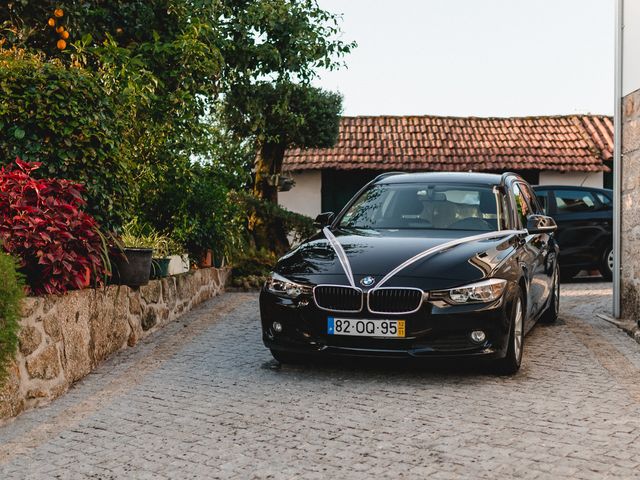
pixel 564 143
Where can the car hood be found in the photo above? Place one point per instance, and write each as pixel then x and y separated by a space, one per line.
pixel 376 253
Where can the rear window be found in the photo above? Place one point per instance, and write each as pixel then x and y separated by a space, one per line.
pixel 606 201
pixel 574 201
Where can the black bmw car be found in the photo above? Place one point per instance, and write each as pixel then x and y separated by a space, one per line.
pixel 419 265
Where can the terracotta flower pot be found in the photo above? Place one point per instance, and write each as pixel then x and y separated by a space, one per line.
pixel 206 260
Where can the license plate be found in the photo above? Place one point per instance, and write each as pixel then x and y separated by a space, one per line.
pixel 365 328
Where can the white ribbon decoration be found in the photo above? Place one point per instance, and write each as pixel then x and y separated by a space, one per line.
pixel 346 266
pixel 342 256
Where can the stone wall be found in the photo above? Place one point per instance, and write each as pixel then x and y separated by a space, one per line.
pixel 63 338
pixel 630 225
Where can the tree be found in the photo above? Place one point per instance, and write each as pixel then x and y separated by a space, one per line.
pixel 272 50
pixel 176 67
pixel 157 60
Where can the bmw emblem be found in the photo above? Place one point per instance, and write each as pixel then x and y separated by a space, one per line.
pixel 367 281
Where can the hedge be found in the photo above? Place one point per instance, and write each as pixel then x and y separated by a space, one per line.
pixel 62 117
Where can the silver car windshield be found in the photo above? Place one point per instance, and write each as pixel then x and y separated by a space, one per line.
pixel 427 206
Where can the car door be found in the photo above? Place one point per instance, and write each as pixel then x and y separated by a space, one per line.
pixel 583 226
pixel 536 247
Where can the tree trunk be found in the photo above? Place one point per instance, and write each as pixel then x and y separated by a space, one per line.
pixel 267 232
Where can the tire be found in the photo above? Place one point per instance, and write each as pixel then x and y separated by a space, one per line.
pixel 510 364
pixel 550 315
pixel 606 264
pixel 286 357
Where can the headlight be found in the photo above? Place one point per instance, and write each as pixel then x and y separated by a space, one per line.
pixel 281 286
pixel 485 291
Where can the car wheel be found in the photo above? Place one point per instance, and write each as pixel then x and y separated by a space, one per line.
pixel 286 357
pixel 606 264
pixel 550 315
pixel 510 364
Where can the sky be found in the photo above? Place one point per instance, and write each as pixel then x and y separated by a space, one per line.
pixel 475 57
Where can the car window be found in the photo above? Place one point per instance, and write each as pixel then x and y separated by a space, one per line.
pixel 531 198
pixel 543 200
pixel 574 201
pixel 426 206
pixel 606 202
pixel 523 205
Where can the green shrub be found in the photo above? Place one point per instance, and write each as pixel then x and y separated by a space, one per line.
pixel 252 268
pixel 11 294
pixel 62 117
pixel 191 203
pixel 295 225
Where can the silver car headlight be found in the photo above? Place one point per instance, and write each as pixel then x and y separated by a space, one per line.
pixel 279 285
pixel 481 292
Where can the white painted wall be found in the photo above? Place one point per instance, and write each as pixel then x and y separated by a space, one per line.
pixel 631 47
pixel 306 196
pixel 585 179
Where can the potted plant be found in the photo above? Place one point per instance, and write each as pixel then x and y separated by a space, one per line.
pixel 161 260
pixel 132 264
pixel 178 258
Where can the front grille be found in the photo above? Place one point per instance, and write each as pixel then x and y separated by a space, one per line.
pixel 338 298
pixel 395 300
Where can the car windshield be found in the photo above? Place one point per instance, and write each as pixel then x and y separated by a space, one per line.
pixel 427 206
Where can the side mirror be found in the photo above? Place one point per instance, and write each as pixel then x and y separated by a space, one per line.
pixel 323 219
pixel 541 224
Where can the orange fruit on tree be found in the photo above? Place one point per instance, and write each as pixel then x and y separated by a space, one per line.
pixel 65 35
pixel 51 22
pixel 61 44
pixel 58 12
pixel 60 29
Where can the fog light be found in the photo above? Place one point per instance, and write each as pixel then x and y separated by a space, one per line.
pixel 277 327
pixel 478 336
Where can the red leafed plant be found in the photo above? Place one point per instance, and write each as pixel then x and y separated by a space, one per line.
pixel 59 246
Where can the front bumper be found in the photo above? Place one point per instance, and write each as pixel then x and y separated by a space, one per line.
pixel 436 330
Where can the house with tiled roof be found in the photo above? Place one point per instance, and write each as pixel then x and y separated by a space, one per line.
pixel 569 150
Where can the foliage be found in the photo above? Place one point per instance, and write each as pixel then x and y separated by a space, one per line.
pixel 59 246
pixel 11 295
pixel 287 114
pixel 157 59
pixel 191 201
pixel 197 84
pixel 272 50
pixel 252 268
pixel 137 235
pixel 63 118
pixel 295 225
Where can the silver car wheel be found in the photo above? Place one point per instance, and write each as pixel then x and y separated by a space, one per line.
pixel 517 330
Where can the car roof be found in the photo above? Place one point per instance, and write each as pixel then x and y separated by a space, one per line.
pixel 440 177
pixel 571 187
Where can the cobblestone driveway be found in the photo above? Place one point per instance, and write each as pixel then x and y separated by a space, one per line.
pixel 203 399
